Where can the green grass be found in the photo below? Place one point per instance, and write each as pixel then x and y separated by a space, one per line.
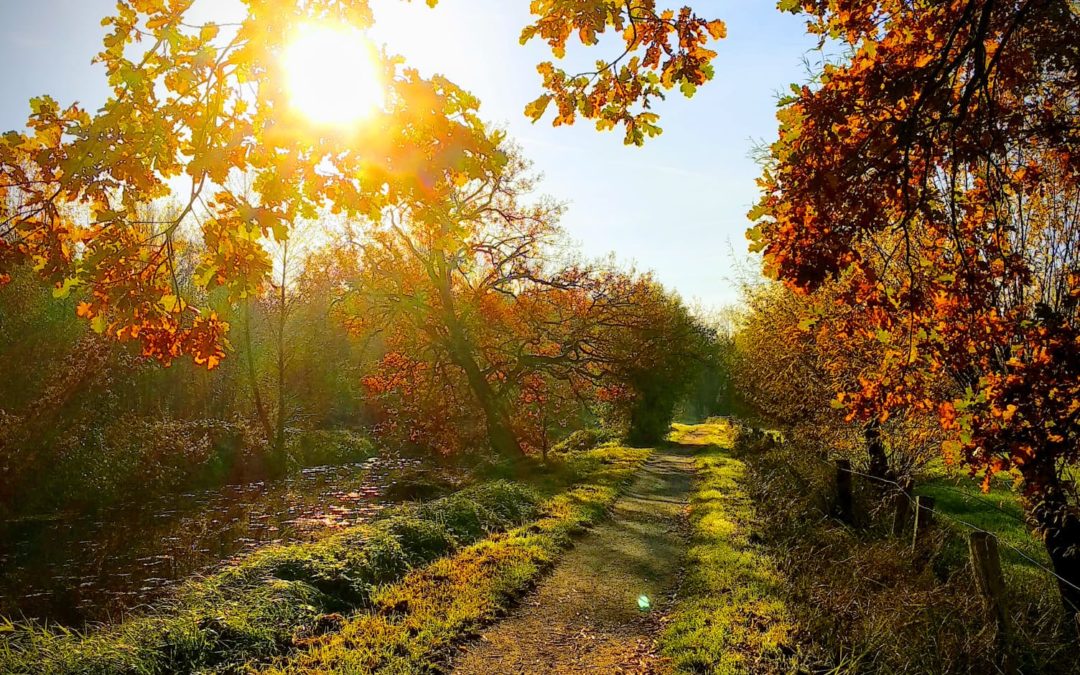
pixel 730 617
pixel 282 597
pixel 411 624
pixel 1024 559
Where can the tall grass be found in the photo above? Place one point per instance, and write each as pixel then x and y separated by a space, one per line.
pixel 862 600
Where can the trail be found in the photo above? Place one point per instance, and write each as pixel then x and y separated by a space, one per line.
pixel 585 616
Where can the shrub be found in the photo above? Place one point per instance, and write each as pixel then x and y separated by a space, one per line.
pixel 582 440
pixel 325 447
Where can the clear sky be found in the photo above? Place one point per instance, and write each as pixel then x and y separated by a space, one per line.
pixel 677 206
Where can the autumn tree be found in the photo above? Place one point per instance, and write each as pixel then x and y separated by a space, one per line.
pixel 437 281
pixel 795 351
pixel 946 145
pixel 652 352
pixel 204 102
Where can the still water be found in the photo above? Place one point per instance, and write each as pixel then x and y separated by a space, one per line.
pixel 94 568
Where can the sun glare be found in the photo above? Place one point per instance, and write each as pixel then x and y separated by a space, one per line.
pixel 331 75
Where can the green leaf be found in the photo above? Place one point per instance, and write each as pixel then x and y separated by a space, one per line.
pixel 170 303
pixel 65 290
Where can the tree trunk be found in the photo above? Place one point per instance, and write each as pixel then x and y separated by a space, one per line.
pixel 1060 525
pixel 500 434
pixel 260 409
pixel 875 449
pixel 279 458
pixel 1063 545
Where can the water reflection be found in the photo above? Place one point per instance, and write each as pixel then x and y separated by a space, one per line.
pixel 95 568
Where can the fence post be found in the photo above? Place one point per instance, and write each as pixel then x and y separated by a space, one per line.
pixel 986 566
pixel 843 490
pixel 901 509
pixel 924 515
pixel 902 506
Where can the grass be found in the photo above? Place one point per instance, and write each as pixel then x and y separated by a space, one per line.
pixel 412 624
pixel 862 600
pixel 283 597
pixel 1025 564
pixel 967 507
pixel 730 617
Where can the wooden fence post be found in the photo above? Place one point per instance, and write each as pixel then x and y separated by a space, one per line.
pixel 986 566
pixel 901 509
pixel 924 515
pixel 843 490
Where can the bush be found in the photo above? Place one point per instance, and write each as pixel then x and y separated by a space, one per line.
pixel 582 440
pixel 328 447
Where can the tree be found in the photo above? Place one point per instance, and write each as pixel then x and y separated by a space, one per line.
pixel 662 50
pixel 206 102
pixel 795 352
pixel 935 171
pixel 433 281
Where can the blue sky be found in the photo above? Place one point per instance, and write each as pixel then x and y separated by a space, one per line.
pixel 677 206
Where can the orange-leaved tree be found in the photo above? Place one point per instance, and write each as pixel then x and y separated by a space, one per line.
pixel 481 317
pixel 935 171
pixel 436 282
pixel 196 104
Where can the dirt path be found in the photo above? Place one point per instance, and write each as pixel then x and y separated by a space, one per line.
pixel 585 616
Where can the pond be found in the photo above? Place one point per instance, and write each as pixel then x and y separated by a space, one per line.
pixel 97 567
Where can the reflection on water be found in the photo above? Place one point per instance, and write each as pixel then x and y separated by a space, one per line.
pixel 94 568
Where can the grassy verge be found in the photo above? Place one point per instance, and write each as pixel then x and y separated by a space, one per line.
pixel 730 617
pixel 1024 559
pixel 863 601
pixel 283 597
pixel 412 624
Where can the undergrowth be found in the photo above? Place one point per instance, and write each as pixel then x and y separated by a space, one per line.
pixel 864 601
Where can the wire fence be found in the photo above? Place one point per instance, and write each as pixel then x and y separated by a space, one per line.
pixel 975 528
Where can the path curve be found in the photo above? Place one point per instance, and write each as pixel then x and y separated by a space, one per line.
pixel 585 616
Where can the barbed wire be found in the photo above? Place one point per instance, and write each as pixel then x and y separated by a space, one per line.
pixel 985 502
pixel 911 498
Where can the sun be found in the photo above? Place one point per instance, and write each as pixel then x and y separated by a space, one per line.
pixel 331 75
